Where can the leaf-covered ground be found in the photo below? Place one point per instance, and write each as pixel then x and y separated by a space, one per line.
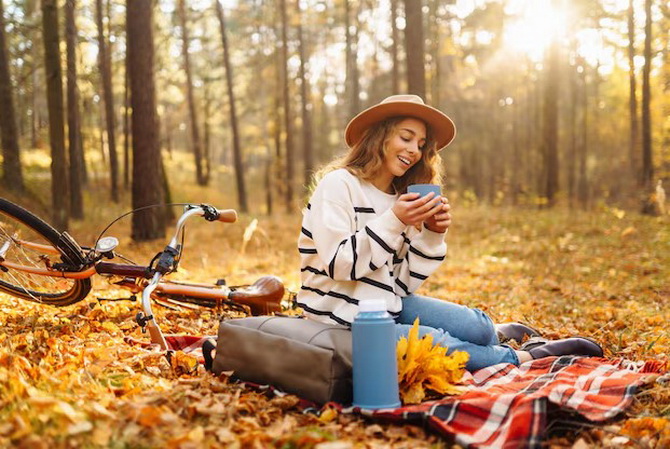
pixel 68 379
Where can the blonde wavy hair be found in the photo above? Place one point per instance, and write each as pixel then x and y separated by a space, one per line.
pixel 366 158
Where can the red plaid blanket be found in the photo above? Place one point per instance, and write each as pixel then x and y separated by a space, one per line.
pixel 505 406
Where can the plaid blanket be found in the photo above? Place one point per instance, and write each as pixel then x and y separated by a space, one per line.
pixel 506 406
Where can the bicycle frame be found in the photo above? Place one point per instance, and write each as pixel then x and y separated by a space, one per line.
pixel 167 262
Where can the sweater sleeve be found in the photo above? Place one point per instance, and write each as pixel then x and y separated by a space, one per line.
pixel 426 251
pixel 347 253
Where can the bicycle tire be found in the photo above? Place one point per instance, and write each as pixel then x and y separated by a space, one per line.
pixel 33 287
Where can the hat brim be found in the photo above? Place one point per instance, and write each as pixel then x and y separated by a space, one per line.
pixel 441 126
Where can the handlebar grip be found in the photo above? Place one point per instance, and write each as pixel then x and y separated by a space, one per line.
pixel 227 215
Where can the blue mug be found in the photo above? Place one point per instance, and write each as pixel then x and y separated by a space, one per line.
pixel 424 189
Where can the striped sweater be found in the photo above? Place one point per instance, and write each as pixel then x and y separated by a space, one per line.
pixel 353 247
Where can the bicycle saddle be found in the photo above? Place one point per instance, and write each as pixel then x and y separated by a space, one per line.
pixel 263 297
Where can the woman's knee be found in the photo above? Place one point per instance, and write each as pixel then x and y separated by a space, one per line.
pixel 484 333
pixel 403 330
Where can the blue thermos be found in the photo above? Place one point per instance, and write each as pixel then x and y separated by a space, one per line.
pixel 375 367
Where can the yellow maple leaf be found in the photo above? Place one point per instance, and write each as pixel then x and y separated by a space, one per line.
pixel 413 394
pixel 328 415
pixel 424 367
pixel 183 363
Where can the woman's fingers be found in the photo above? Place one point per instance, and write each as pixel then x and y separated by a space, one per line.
pixel 427 203
pixel 412 209
pixel 423 208
pixel 409 196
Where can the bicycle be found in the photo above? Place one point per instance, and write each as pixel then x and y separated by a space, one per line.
pixel 41 264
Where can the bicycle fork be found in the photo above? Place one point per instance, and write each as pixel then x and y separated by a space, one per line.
pixel 146 319
pixel 167 263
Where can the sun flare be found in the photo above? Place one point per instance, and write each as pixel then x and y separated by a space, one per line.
pixel 534 25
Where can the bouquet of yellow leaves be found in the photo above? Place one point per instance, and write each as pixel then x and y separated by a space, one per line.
pixel 422 367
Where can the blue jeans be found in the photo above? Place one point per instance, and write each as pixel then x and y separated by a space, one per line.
pixel 457 328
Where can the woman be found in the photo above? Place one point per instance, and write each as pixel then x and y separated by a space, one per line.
pixel 364 237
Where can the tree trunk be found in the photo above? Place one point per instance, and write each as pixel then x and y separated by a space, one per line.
pixel 435 41
pixel 352 82
pixel 550 126
pixel 126 127
pixel 632 102
pixel 59 182
pixel 169 212
pixel 414 48
pixel 648 206
pixel 34 117
pixel 147 182
pixel 307 148
pixel 11 164
pixel 582 180
pixel 572 149
pixel 201 177
pixel 290 173
pixel 278 172
pixel 207 132
pixel 395 40
pixel 108 97
pixel 515 175
pixel 73 127
pixel 237 150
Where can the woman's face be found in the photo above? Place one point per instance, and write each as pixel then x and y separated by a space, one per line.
pixel 405 146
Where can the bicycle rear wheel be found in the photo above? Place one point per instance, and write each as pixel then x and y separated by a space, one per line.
pixel 28 241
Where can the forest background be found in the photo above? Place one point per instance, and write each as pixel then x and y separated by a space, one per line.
pixel 556 173
pixel 556 102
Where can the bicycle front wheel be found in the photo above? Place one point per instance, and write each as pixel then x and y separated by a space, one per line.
pixel 27 241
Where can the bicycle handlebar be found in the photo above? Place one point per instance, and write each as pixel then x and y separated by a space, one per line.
pixel 227 215
pixel 210 213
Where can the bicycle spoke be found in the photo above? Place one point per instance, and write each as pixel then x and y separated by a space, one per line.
pixel 31 284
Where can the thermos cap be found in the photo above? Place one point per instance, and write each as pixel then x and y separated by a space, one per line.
pixel 372 305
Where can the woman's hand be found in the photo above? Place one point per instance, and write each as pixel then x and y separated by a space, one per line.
pixel 440 221
pixel 413 210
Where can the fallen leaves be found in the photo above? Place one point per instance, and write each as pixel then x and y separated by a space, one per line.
pixel 424 368
pixel 652 432
pixel 68 379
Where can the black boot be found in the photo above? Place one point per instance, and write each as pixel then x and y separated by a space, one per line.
pixel 568 346
pixel 207 348
pixel 515 331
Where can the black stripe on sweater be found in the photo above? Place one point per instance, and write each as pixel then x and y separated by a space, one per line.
pixel 306 232
pixel 377 284
pixel 418 275
pixel 331 265
pixel 353 265
pixel 420 254
pixel 403 286
pixel 314 270
pixel 364 210
pixel 365 280
pixel 348 299
pixel 379 240
pixel 307 250
pixel 330 315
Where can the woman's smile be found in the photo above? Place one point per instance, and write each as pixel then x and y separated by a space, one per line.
pixel 404 148
pixel 405 161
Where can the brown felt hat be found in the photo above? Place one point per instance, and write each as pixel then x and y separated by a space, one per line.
pixel 441 126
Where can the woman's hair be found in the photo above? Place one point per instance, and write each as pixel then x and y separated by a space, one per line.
pixel 365 158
